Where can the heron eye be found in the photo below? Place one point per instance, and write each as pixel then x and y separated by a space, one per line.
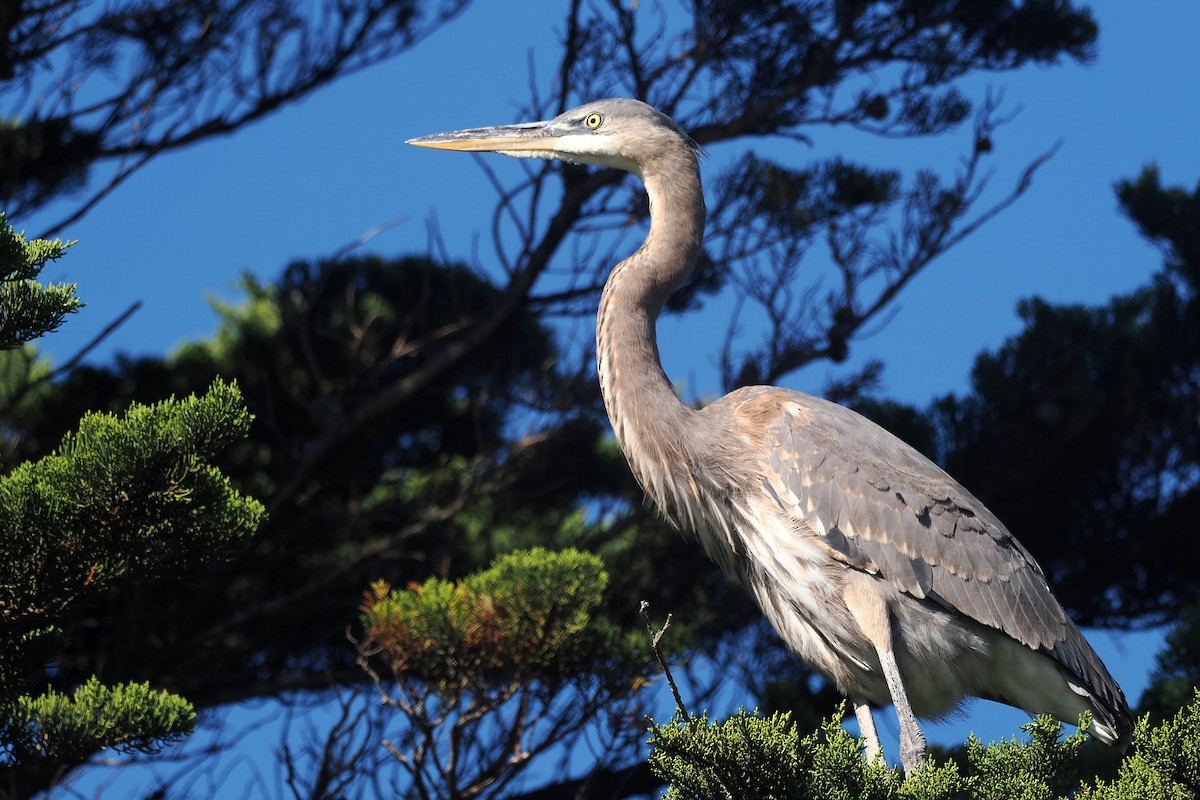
pixel 593 120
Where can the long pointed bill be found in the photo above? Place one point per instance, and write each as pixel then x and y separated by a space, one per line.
pixel 529 140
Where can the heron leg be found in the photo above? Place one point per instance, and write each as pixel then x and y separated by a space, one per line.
pixel 866 729
pixel 870 610
pixel 912 741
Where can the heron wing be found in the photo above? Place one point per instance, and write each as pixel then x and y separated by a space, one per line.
pixel 882 507
pixel 878 505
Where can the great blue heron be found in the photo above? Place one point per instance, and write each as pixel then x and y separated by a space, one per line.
pixel 873 564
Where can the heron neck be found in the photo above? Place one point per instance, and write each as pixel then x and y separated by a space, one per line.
pixel 648 418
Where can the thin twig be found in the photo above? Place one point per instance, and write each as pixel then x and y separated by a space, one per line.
pixel 367 236
pixel 655 636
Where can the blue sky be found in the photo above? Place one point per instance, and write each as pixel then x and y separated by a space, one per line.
pixel 318 174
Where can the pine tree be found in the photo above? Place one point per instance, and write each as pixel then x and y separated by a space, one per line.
pixel 486 674
pixel 750 755
pixel 122 497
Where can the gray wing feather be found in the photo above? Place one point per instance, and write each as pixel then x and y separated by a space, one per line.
pixel 884 508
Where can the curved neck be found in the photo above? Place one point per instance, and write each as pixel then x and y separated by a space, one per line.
pixel 646 415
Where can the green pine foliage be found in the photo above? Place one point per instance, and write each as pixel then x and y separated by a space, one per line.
pixel 129 717
pixel 487 672
pixel 532 615
pixel 1164 763
pixel 123 496
pixel 750 755
pixel 1038 768
pixel 27 308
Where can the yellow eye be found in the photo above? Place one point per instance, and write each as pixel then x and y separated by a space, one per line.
pixel 593 120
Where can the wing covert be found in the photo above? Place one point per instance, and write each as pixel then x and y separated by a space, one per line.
pixel 882 507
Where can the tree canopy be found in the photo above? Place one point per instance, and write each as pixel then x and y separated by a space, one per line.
pixel 119 499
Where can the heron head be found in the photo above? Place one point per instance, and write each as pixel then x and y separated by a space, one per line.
pixel 621 133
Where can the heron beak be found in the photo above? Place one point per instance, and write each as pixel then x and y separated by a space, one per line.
pixel 560 138
pixel 529 138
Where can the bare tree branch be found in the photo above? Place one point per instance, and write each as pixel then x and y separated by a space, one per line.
pixel 164 75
